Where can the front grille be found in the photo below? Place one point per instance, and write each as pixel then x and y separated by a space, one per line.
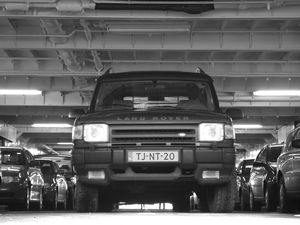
pixel 156 135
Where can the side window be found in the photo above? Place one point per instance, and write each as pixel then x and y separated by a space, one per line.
pixel 258 158
pixel 262 156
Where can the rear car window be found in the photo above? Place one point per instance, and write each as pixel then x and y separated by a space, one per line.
pixel 11 157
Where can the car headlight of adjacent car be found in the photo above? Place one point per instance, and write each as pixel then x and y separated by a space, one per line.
pixel 215 132
pixel 91 132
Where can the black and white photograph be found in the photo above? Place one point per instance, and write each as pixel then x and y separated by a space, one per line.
pixel 149 112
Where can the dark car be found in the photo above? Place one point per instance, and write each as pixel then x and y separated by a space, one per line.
pixel 56 188
pixel 263 187
pixel 64 163
pixel 288 173
pixel 21 185
pixel 155 136
pixel 242 178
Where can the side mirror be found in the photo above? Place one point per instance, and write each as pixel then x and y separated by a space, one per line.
pixel 75 113
pixel 234 113
pixel 296 143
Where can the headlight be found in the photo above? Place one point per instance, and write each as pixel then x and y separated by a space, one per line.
pixel 211 132
pixel 95 133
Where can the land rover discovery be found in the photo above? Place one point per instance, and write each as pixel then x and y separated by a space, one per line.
pixel 154 137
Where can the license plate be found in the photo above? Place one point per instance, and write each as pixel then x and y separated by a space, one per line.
pixel 153 156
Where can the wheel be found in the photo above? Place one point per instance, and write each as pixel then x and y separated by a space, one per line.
pixel 71 199
pixel 243 205
pixel 105 202
pixel 270 202
pixel 254 205
pixel 24 204
pixel 181 203
pixel 53 204
pixel 219 199
pixel 86 198
pixel 41 203
pixel 285 203
pixel 63 205
pixel 37 205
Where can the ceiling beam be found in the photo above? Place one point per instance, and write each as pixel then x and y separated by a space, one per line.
pixel 198 42
pixel 281 12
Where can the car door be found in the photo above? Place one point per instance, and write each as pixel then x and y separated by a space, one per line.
pixel 292 165
pixel 258 173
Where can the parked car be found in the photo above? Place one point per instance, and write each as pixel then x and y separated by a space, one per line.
pixel 288 173
pixel 21 185
pixel 263 188
pixel 242 179
pixel 56 187
pixel 64 163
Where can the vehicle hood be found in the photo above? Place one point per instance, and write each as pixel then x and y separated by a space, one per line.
pixel 158 116
pixel 11 169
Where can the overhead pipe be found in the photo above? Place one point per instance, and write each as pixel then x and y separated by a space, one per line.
pixel 60 5
pixel 129 2
pixel 71 34
pixel 55 27
pixel 67 56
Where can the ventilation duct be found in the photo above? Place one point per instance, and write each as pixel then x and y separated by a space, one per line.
pixel 156 5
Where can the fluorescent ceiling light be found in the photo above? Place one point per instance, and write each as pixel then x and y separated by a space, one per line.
pixel 65 143
pixel 155 28
pixel 49 125
pixel 19 92
pixel 247 126
pixel 277 93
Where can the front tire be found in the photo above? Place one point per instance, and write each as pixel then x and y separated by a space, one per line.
pixel 53 204
pixel 254 205
pixel 285 203
pixel 244 205
pixel 86 198
pixel 219 199
pixel 181 203
pixel 270 202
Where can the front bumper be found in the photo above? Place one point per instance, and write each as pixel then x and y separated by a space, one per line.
pixel 193 161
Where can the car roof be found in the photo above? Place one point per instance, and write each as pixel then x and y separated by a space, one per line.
pixel 155 75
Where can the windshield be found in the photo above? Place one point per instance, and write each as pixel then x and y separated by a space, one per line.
pixel 12 157
pixel 143 95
